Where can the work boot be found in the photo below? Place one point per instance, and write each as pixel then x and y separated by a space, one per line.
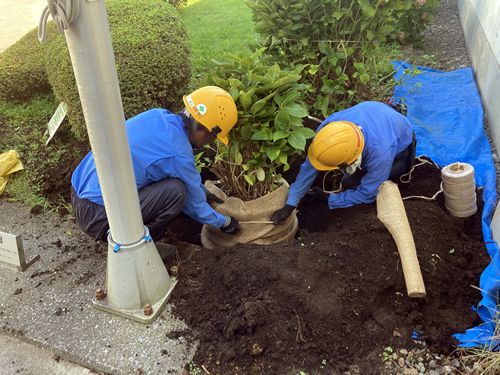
pixel 165 250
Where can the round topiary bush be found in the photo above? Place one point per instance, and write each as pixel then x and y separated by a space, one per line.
pixel 22 68
pixel 152 59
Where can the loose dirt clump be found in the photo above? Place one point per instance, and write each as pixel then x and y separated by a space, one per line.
pixel 336 295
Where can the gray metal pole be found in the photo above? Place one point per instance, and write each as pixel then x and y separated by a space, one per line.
pixel 91 51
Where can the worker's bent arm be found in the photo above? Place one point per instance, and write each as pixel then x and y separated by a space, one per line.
pixel 302 184
pixel 196 205
pixel 368 189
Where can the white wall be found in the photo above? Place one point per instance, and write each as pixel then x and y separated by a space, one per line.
pixel 481 23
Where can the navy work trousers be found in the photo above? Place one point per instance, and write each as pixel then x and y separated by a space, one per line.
pixel 160 203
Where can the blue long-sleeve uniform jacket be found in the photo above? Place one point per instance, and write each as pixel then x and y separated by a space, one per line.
pixel 386 134
pixel 160 149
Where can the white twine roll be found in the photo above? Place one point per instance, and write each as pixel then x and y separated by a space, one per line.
pixel 459 189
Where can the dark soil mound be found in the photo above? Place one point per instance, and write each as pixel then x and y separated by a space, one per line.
pixel 336 295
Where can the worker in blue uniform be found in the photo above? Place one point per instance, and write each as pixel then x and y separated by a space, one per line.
pixel 372 141
pixel 161 145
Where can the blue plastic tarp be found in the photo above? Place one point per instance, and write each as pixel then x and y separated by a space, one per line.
pixel 447 115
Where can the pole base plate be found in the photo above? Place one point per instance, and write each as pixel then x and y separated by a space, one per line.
pixel 137 315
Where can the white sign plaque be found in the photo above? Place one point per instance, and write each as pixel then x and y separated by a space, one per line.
pixel 56 120
pixel 12 251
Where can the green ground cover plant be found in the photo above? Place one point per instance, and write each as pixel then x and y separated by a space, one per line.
pixel 22 128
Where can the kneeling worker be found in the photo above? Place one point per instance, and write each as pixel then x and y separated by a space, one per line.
pixel 373 141
pixel 161 144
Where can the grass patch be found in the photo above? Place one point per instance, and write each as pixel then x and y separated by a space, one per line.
pixel 217 27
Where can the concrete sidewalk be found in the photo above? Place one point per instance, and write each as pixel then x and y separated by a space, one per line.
pixel 49 304
pixel 17 356
pixel 17 17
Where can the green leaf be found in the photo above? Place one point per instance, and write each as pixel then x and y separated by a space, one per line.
pixel 364 78
pixel 233 82
pixel 306 132
pixel 260 79
pixel 385 30
pixel 250 179
pixel 261 175
pixel 297 140
pixel 247 64
pixel 261 136
pixel 258 106
pixel 246 131
pixel 279 135
pixel 282 121
pixel 278 99
pixel 337 15
pixel 364 3
pixel 245 100
pixel 220 62
pixel 273 74
pixel 368 11
pixel 232 57
pixel 235 94
pixel 257 53
pixel 272 152
pixel 220 82
pixel 239 158
pixel 283 158
pixel 294 109
pixel 289 97
pixel 370 35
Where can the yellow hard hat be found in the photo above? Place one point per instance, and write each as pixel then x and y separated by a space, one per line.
pixel 213 108
pixel 337 144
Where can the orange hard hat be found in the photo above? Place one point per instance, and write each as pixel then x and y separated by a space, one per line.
pixel 213 108
pixel 338 144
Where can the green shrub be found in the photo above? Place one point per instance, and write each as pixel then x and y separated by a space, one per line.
pixel 22 69
pixel 338 39
pixel 178 3
pixel 269 128
pixel 152 60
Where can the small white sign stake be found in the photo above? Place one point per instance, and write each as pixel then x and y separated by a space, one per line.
pixel 56 121
pixel 12 251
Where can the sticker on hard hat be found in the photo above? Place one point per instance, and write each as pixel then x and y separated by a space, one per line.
pixel 202 108
pixel 190 101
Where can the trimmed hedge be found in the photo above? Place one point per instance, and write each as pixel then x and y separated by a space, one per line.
pixel 22 69
pixel 152 56
pixel 178 3
pixel 152 59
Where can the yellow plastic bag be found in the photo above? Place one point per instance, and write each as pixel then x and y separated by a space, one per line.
pixel 9 163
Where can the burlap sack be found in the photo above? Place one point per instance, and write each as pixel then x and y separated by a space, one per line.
pixel 391 212
pixel 254 217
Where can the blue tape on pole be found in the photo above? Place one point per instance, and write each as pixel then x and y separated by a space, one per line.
pixel 117 247
pixel 447 115
pixel 147 238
